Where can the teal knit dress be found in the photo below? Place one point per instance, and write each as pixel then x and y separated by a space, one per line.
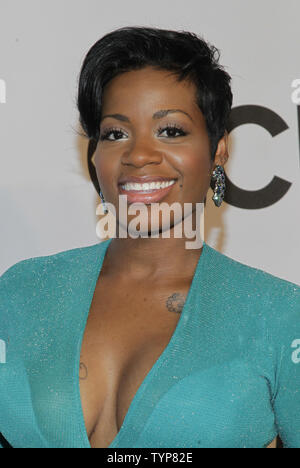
pixel 228 378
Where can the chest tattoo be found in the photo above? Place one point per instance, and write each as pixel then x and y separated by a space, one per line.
pixel 83 372
pixel 175 302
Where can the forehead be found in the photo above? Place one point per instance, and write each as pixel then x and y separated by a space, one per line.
pixel 147 88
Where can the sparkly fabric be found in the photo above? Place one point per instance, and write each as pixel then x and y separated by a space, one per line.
pixel 229 377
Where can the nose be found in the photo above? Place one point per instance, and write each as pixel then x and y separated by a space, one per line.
pixel 141 153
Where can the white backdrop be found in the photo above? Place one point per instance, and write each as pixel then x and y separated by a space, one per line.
pixel 47 200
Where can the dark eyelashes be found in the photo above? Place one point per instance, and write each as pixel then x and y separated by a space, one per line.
pixel 106 133
pixel 178 128
pixel 171 127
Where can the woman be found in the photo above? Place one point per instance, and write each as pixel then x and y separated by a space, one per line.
pixel 142 342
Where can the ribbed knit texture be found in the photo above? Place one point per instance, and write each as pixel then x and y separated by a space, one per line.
pixel 229 377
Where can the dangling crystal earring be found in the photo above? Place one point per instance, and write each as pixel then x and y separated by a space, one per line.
pixel 218 176
pixel 103 202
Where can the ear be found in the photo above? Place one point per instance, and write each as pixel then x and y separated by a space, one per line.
pixel 222 154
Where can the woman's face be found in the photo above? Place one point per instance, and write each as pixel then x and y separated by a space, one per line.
pixel 151 126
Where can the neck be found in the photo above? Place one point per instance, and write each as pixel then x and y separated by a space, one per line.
pixel 155 258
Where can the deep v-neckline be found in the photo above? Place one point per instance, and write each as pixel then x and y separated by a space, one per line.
pixel 100 253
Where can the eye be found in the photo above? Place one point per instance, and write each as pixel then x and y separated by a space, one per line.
pixel 173 131
pixel 116 132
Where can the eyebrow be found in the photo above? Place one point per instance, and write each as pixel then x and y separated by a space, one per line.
pixel 157 115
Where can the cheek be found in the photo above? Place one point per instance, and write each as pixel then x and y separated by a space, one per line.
pixel 104 168
pixel 195 169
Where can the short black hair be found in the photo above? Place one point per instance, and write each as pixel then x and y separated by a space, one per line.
pixel 183 53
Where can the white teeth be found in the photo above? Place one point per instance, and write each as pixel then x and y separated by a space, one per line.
pixel 148 186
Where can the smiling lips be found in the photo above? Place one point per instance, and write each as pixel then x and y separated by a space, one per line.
pixel 150 191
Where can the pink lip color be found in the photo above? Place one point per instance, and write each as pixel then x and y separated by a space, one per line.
pixel 146 196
